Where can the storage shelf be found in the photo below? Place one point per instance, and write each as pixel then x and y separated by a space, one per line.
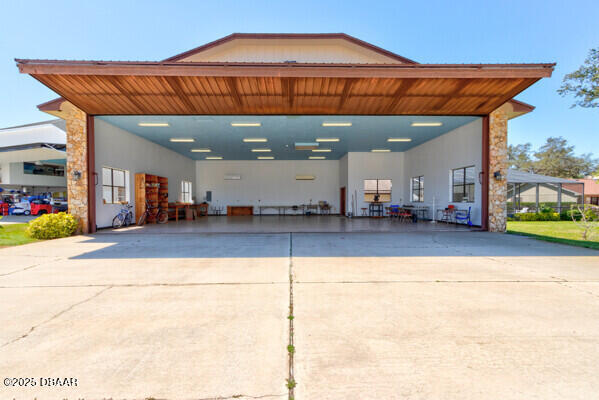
pixel 154 190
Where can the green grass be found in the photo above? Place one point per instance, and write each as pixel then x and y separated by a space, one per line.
pixel 14 235
pixel 566 232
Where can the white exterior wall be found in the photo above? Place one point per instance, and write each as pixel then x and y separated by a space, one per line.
pixel 268 183
pixel 435 159
pixel 363 166
pixel 117 148
pixel 13 174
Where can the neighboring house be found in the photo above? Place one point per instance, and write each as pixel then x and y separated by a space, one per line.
pixel 33 157
pixel 283 119
pixel 591 190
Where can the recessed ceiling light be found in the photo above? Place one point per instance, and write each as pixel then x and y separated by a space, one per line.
pixel 182 140
pixel 380 150
pixel 321 150
pixel 261 150
pixel 329 124
pixel 266 158
pixel 153 124
pixel 427 123
pixel 201 150
pixel 327 139
pixel 398 139
pixel 255 140
pixel 317 158
pixel 245 124
pixel 213 158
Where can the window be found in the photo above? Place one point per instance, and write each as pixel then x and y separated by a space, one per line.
pixel 186 192
pixel 43 169
pixel 115 183
pixel 463 184
pixel 595 201
pixel 418 189
pixel 377 190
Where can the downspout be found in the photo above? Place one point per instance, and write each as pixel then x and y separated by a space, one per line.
pixel 484 176
pixel 91 175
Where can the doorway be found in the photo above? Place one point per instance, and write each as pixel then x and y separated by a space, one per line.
pixel 342 198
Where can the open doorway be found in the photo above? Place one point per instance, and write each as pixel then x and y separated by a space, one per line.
pixel 342 198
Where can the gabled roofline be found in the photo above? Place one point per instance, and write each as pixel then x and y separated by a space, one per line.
pixel 342 36
pixel 57 67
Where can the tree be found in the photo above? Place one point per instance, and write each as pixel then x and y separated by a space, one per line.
pixel 584 82
pixel 519 157
pixel 556 158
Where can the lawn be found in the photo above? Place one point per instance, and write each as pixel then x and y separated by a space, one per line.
pixel 566 232
pixel 13 235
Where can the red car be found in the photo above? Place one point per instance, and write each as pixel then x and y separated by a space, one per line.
pixel 3 208
pixel 38 208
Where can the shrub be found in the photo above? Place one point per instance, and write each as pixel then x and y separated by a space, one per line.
pixel 542 216
pixel 52 226
pixel 570 215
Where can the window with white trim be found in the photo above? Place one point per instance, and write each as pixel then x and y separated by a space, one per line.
pixel 418 189
pixel 115 185
pixel 186 192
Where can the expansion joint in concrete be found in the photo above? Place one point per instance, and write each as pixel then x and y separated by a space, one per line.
pixel 291 346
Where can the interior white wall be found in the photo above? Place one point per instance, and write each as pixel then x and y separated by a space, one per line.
pixel 461 147
pixel 363 166
pixel 13 174
pixel 117 148
pixel 268 182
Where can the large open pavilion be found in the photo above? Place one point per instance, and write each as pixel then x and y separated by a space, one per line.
pixel 303 123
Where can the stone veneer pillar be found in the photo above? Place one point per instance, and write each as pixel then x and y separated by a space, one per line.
pixel 77 185
pixel 498 162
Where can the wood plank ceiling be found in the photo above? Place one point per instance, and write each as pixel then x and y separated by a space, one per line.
pixel 102 91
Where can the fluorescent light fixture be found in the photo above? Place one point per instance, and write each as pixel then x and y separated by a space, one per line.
pixel 327 139
pixel 261 150
pixel 232 177
pixel 317 158
pixel 201 150
pixel 305 177
pixel 153 124
pixel 398 139
pixel 329 124
pixel 182 140
pixel 255 140
pixel 266 158
pixel 380 150
pixel 245 124
pixel 213 158
pixel 321 150
pixel 427 123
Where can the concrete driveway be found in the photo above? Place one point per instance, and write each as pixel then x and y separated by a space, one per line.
pixel 435 315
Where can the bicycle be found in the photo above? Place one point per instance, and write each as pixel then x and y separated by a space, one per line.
pixel 156 212
pixel 124 217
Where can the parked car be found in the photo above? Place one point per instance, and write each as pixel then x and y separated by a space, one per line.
pixel 20 208
pixel 40 207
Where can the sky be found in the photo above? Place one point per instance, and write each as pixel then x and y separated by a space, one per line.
pixel 425 31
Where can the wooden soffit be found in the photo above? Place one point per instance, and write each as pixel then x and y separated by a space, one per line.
pixel 137 88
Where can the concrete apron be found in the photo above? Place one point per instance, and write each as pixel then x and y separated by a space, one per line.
pixel 375 315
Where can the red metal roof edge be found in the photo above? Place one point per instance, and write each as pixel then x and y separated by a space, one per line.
pixel 521 107
pixel 263 64
pixel 343 36
pixel 52 105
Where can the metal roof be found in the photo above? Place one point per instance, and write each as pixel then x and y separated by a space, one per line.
pixel 515 176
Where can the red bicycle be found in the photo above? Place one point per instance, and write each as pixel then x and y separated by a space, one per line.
pixel 158 213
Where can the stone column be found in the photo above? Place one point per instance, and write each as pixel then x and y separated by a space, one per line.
pixel 498 163
pixel 76 172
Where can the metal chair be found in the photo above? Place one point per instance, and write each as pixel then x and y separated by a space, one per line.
pixel 463 215
pixel 394 211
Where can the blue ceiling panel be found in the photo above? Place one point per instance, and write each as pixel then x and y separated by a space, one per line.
pixel 282 132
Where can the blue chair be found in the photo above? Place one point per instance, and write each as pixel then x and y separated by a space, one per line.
pixel 462 215
pixel 394 210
